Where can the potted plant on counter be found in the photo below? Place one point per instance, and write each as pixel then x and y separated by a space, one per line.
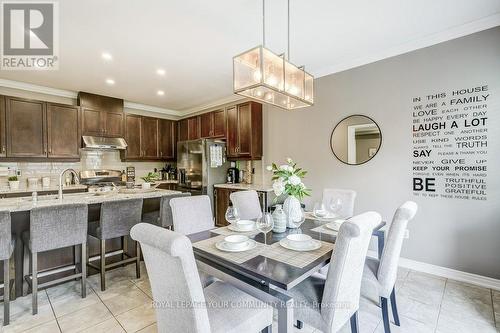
pixel 287 180
pixel 13 183
pixel 149 179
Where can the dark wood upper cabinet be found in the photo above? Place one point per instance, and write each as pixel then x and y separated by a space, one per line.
pixel 3 147
pixel 166 139
pixel 206 125
pixel 113 124
pixel 193 128
pixel 244 131
pixel 25 124
pixel 101 115
pixel 219 128
pixel 183 129
pixel 149 138
pixel 92 122
pixel 133 136
pixel 63 135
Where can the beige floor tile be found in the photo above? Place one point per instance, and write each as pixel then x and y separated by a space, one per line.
pixel 108 326
pixel 145 286
pixel 402 273
pixel 422 290
pixel 407 326
pixel 416 310
pixel 496 306
pixel 23 304
pixel 113 289
pixel 454 324
pixel 66 290
pixel 50 327
pixel 426 280
pixel 467 291
pixel 137 318
pixel 128 300
pixel 84 318
pixel 74 302
pixel 24 320
pixel 150 329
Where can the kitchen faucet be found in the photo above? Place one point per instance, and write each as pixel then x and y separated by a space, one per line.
pixel 60 196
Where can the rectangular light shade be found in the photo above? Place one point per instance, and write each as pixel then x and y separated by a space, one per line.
pixel 264 76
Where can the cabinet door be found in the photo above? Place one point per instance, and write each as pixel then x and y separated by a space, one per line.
pixel 149 138
pixel 113 124
pixel 63 131
pixel 219 124
pixel 244 130
pixel 133 136
pixel 206 125
pixel 193 128
pixel 166 138
pixel 92 124
pixel 3 147
pixel 183 129
pixel 232 131
pixel 221 204
pixel 25 123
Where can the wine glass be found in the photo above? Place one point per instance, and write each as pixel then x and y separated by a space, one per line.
pixel 335 205
pixel 297 218
pixel 265 224
pixel 232 214
pixel 319 210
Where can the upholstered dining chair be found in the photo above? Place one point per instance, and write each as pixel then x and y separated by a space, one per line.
pixel 329 304
pixel 181 304
pixel 380 275
pixel 6 248
pixel 192 214
pixel 346 196
pixel 247 203
pixel 163 216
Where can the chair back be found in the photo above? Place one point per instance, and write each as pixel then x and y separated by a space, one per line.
pixel 177 292
pixel 58 226
pixel 343 283
pixel 347 196
pixel 388 267
pixel 247 203
pixel 192 214
pixel 165 209
pixel 5 235
pixel 118 217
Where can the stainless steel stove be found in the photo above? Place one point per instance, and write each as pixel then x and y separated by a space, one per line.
pixel 101 181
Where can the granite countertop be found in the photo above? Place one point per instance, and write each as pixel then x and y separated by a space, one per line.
pixel 25 203
pixel 170 181
pixel 25 189
pixel 243 186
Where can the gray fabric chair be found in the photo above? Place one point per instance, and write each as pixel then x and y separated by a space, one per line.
pixel 6 249
pixel 175 282
pixel 329 304
pixel 247 203
pixel 348 198
pixel 192 214
pixel 380 276
pixel 163 216
pixel 116 220
pixel 52 228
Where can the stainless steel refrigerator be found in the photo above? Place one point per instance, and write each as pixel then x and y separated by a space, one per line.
pixel 201 164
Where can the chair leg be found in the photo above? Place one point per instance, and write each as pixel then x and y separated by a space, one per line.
pixel 6 292
pixel 83 264
pixel 103 265
pixel 268 329
pixel 394 307
pixel 385 315
pixel 34 282
pixel 355 323
pixel 138 260
pixel 299 324
pixel 26 268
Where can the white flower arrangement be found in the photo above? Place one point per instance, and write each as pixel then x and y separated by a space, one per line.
pixel 287 179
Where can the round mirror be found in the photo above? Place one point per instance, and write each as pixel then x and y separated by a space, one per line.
pixel 356 139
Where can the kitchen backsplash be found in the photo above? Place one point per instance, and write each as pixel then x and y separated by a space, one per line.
pixel 90 159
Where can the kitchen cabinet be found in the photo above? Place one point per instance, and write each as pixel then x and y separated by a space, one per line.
pixel 206 125
pixel 133 136
pixel 193 128
pixel 25 128
pixel 113 124
pixel 183 129
pixel 213 124
pixel 102 123
pixel 149 138
pixel 244 131
pixel 91 122
pixel 63 134
pixel 3 147
pixel 166 139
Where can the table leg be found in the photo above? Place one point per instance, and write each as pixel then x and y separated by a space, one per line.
pixel 285 316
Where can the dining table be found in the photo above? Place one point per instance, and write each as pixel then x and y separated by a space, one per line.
pixel 269 271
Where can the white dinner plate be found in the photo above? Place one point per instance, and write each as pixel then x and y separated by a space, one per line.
pixel 232 227
pixel 335 225
pixel 250 244
pixel 315 244
pixel 329 216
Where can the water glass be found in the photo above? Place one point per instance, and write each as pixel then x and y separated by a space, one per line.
pixel 232 214
pixel 319 210
pixel 335 205
pixel 297 219
pixel 265 224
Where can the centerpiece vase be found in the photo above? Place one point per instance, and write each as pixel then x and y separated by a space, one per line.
pixel 293 211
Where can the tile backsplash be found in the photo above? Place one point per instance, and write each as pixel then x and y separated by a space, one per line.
pixel 90 159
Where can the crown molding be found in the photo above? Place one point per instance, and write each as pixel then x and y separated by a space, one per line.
pixel 214 104
pixel 416 44
pixel 150 108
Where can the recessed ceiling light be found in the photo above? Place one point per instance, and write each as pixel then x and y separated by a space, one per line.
pixel 160 93
pixel 107 56
pixel 160 71
pixel 110 82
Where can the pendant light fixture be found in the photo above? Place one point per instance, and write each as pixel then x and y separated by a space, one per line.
pixel 267 77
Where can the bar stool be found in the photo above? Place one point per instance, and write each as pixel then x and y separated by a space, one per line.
pixel 117 218
pixel 163 217
pixel 6 249
pixel 51 228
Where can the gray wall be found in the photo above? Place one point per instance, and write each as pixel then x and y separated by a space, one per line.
pixel 459 234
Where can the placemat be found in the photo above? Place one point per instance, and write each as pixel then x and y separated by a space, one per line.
pixel 226 231
pixel 310 216
pixel 208 245
pixel 324 230
pixel 296 258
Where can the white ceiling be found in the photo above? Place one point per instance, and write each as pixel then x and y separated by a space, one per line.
pixel 194 41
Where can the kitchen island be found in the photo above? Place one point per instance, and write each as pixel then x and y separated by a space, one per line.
pixel 20 213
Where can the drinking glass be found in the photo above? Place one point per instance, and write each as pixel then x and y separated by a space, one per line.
pixel 265 224
pixel 319 210
pixel 297 219
pixel 232 214
pixel 335 205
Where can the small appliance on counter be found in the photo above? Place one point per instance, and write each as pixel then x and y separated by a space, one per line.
pixel 168 172
pixel 233 174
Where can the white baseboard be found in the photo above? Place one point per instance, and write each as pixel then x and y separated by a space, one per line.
pixel 445 272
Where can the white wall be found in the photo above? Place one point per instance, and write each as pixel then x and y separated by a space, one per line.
pixel 459 234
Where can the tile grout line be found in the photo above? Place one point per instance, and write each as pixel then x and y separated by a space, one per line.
pixel 493 308
pixel 440 305
pixel 53 311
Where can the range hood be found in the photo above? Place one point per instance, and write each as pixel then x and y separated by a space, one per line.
pixel 99 142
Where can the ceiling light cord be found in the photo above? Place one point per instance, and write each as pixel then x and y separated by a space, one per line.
pixel 288 32
pixel 264 23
